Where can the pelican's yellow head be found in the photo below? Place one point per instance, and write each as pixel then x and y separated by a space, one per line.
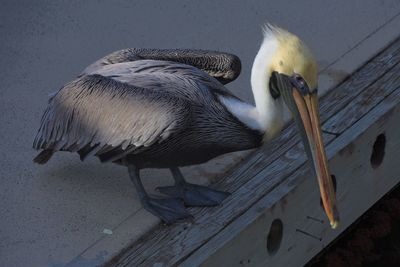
pixel 290 71
pixel 292 56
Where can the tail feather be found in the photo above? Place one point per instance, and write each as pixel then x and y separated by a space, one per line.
pixel 43 156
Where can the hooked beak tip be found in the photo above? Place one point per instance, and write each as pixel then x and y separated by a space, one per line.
pixel 334 224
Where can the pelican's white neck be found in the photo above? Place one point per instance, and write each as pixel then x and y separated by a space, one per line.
pixel 270 110
pixel 267 115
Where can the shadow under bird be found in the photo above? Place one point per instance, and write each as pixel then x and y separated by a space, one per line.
pixel 149 108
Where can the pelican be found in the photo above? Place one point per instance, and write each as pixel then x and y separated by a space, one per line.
pixel 151 108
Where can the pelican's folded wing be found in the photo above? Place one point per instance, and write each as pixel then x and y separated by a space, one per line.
pixel 181 80
pixel 224 67
pixel 97 114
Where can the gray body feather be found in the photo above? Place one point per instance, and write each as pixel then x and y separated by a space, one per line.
pixel 152 112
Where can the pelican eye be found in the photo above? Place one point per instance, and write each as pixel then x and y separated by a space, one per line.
pixel 300 84
pixel 273 85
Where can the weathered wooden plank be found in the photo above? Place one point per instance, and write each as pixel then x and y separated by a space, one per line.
pixel 173 244
pixel 359 186
pixel 372 96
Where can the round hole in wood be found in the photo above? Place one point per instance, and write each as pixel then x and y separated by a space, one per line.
pixel 378 151
pixel 333 177
pixel 274 237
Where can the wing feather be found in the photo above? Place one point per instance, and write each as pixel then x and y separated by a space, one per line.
pixel 225 67
pixel 101 112
pixel 180 79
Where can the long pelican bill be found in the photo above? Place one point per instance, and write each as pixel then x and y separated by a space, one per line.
pixel 303 105
pixel 307 106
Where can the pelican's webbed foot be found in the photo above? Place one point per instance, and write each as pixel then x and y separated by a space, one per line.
pixel 192 194
pixel 169 210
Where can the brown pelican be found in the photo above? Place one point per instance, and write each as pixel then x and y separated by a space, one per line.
pixel 147 108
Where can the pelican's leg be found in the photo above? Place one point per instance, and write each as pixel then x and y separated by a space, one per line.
pixel 168 210
pixel 192 194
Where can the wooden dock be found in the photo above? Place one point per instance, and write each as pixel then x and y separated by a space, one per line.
pixel 274 216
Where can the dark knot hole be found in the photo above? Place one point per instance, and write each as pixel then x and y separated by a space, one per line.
pixel 378 151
